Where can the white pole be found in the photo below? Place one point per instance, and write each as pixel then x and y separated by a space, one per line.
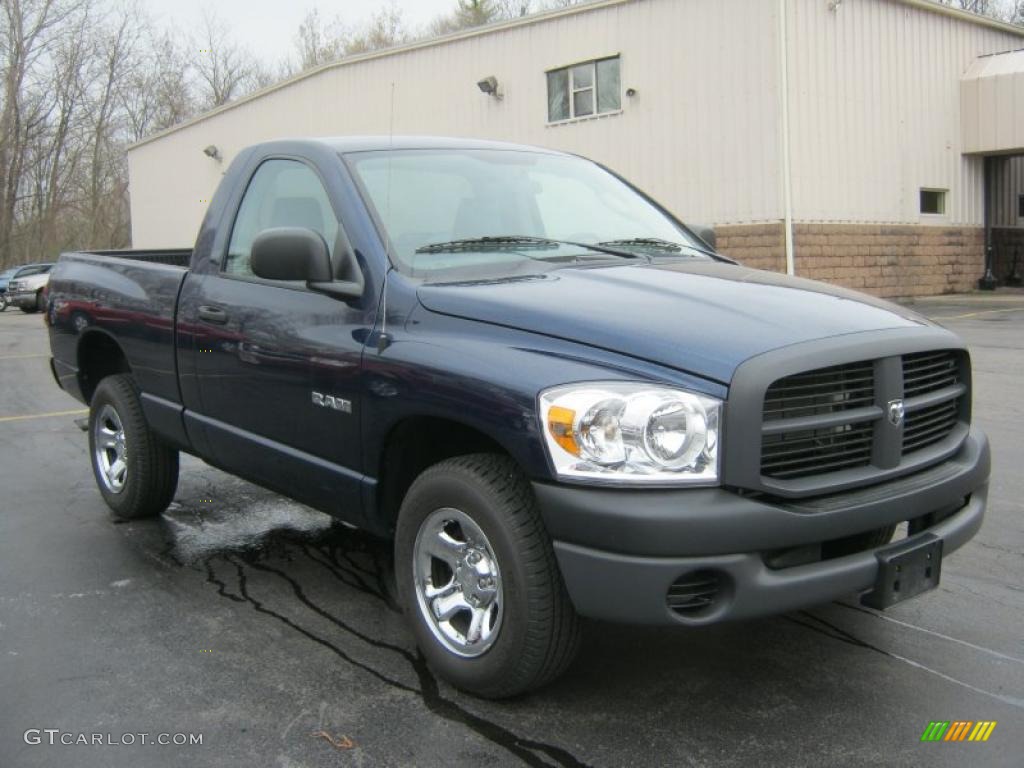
pixel 787 182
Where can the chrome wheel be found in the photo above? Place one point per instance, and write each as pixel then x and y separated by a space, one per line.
pixel 109 452
pixel 457 582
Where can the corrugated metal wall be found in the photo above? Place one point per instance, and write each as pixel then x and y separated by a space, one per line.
pixel 700 135
pixel 1008 188
pixel 874 110
pixel 875 105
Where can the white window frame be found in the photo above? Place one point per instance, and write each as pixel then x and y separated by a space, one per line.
pixel 943 199
pixel 573 90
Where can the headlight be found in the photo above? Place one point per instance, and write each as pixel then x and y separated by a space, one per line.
pixel 631 433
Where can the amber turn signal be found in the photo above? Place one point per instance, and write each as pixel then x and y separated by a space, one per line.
pixel 560 421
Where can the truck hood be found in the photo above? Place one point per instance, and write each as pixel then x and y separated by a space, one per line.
pixel 704 318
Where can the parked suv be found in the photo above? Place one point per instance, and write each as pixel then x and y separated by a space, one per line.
pixel 26 287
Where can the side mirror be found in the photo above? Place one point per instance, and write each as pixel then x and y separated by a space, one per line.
pixel 297 253
pixel 291 253
pixel 705 233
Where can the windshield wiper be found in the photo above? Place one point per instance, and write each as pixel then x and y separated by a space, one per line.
pixel 515 243
pixel 645 243
pixel 497 243
pixel 656 244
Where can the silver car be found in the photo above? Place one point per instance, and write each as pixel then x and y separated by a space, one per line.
pixel 25 289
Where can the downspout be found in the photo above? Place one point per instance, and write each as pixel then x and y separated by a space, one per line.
pixel 787 181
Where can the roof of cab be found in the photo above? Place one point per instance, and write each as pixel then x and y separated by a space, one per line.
pixel 345 144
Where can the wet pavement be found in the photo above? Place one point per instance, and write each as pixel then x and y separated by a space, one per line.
pixel 273 632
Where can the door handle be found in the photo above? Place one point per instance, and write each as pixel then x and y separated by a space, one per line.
pixel 214 315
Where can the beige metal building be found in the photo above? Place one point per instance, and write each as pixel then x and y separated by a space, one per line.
pixel 842 140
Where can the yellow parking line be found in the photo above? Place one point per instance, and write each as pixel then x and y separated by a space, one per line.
pixel 976 314
pixel 20 357
pixel 76 412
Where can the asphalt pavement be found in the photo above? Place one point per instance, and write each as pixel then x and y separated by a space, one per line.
pixel 271 632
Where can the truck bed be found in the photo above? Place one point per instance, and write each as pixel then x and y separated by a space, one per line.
pixel 127 295
pixel 172 257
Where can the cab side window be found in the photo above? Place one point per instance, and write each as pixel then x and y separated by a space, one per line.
pixel 282 193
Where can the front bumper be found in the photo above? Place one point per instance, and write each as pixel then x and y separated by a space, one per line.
pixel 620 550
pixel 22 299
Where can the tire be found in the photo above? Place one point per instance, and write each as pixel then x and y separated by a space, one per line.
pixel 118 430
pixel 3 302
pixel 878 538
pixel 534 632
pixel 40 302
pixel 28 310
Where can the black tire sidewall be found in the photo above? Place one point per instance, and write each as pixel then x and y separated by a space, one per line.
pixel 457 490
pixel 116 391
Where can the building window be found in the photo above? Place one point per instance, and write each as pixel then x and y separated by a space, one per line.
pixel 590 88
pixel 1020 206
pixel 933 201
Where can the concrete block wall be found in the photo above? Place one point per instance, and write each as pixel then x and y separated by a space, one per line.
pixel 886 260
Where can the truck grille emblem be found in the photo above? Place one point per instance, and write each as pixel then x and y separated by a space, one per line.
pixel 895 412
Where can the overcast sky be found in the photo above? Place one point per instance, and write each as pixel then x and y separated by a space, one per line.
pixel 267 27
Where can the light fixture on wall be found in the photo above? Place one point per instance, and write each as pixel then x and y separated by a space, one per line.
pixel 489 85
pixel 833 5
pixel 212 152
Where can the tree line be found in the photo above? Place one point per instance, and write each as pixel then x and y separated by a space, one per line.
pixel 84 79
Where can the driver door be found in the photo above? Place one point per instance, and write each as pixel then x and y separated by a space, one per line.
pixel 278 365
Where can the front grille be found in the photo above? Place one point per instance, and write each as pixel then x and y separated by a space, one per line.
pixel 930 425
pixel 821 392
pixel 809 452
pixel 838 418
pixel 825 390
pixel 926 372
pixel 693 593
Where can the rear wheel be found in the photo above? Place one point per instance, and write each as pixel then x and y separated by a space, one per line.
pixel 28 310
pixel 3 301
pixel 136 472
pixel 478 579
pixel 40 302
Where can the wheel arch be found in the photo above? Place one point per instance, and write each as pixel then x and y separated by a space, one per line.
pixel 416 443
pixel 98 355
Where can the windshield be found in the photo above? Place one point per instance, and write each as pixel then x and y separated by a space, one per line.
pixel 468 214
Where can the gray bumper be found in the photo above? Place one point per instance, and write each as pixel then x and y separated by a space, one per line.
pixel 22 299
pixel 619 551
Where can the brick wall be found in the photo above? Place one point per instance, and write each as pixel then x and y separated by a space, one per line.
pixel 761 246
pixel 886 260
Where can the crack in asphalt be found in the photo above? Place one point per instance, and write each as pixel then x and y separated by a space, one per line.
pixel 837 633
pixel 342 566
pixel 932 632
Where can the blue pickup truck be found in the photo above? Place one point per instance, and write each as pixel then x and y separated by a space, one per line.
pixel 557 399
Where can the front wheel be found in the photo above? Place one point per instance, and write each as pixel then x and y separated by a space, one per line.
pixel 3 301
pixel 478 580
pixel 136 472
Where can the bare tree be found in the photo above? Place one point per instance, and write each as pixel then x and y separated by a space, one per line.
pixel 225 69
pixel 511 9
pixel 385 29
pixel 29 31
pixel 1004 10
pixel 319 41
pixel 155 92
